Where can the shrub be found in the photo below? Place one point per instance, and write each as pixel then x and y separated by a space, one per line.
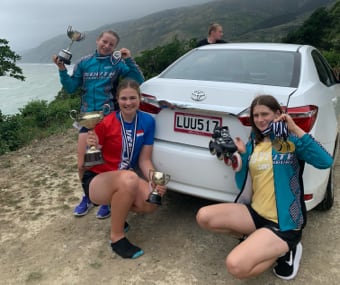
pixel 36 120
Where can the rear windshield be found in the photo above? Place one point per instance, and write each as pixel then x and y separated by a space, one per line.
pixel 277 68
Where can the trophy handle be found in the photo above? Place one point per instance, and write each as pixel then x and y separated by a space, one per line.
pixel 69 32
pixel 106 109
pixel 74 114
pixel 167 178
pixel 74 35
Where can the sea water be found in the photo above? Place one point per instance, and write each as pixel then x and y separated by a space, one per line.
pixel 41 83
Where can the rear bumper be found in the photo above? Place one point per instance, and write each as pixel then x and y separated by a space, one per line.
pixel 194 171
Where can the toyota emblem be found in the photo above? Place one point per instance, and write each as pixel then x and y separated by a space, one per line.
pixel 198 95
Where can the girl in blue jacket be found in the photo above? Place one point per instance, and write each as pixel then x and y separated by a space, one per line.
pixel 98 75
pixel 269 212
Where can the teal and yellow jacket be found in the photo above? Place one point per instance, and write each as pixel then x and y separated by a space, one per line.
pixel 291 210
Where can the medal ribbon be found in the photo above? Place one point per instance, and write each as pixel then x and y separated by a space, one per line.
pixel 279 129
pixel 129 148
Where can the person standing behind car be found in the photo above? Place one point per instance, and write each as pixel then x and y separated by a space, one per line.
pixel 269 211
pixel 98 75
pixel 215 34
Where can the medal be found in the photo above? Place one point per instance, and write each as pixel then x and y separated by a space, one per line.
pixel 277 144
pixel 281 143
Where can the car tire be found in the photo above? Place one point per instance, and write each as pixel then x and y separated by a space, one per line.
pixel 328 200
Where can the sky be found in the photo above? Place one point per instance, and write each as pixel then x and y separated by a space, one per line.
pixel 28 23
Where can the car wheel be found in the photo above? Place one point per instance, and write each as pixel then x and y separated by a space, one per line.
pixel 328 200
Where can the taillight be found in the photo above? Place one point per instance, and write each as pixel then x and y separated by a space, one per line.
pixel 244 117
pixel 149 104
pixel 308 197
pixel 304 116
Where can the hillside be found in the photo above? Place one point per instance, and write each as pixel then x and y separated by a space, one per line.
pixel 243 20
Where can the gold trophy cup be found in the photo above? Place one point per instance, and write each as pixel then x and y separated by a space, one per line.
pixel 89 120
pixel 157 178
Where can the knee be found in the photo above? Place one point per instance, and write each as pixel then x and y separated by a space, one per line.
pixel 202 218
pixel 234 267
pixel 130 180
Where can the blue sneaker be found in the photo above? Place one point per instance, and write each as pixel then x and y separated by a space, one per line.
pixel 84 206
pixel 104 212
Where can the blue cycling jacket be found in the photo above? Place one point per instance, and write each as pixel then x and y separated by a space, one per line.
pixel 98 77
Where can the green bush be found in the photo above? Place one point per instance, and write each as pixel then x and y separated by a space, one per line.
pixel 11 136
pixel 36 120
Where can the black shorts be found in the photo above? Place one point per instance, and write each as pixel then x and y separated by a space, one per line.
pixel 292 237
pixel 86 180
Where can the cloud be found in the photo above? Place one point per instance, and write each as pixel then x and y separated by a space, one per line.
pixel 26 24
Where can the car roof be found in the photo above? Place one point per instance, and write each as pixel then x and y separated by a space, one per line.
pixel 255 46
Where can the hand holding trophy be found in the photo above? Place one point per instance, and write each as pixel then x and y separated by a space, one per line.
pixel 65 55
pixel 157 178
pixel 89 120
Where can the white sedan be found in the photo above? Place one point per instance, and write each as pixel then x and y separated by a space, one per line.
pixel 213 86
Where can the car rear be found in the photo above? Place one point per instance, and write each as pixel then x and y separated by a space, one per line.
pixel 214 86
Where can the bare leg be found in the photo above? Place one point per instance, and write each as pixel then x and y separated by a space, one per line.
pixel 140 205
pixel 125 191
pixel 84 206
pixel 118 189
pixel 256 254
pixel 81 149
pixel 226 218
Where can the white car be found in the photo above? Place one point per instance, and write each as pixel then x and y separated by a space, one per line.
pixel 213 86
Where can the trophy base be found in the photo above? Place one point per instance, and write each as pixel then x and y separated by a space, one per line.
pixel 155 198
pixel 93 158
pixel 65 56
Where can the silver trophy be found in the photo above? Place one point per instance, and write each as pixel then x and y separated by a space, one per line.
pixel 65 55
pixel 157 178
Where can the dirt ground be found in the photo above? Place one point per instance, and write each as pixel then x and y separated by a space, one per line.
pixel 43 243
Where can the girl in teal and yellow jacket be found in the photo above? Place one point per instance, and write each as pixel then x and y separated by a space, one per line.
pixel 269 211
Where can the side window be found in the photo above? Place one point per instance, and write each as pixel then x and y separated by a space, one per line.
pixel 325 73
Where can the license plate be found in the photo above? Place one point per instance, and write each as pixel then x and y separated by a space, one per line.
pixel 195 124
